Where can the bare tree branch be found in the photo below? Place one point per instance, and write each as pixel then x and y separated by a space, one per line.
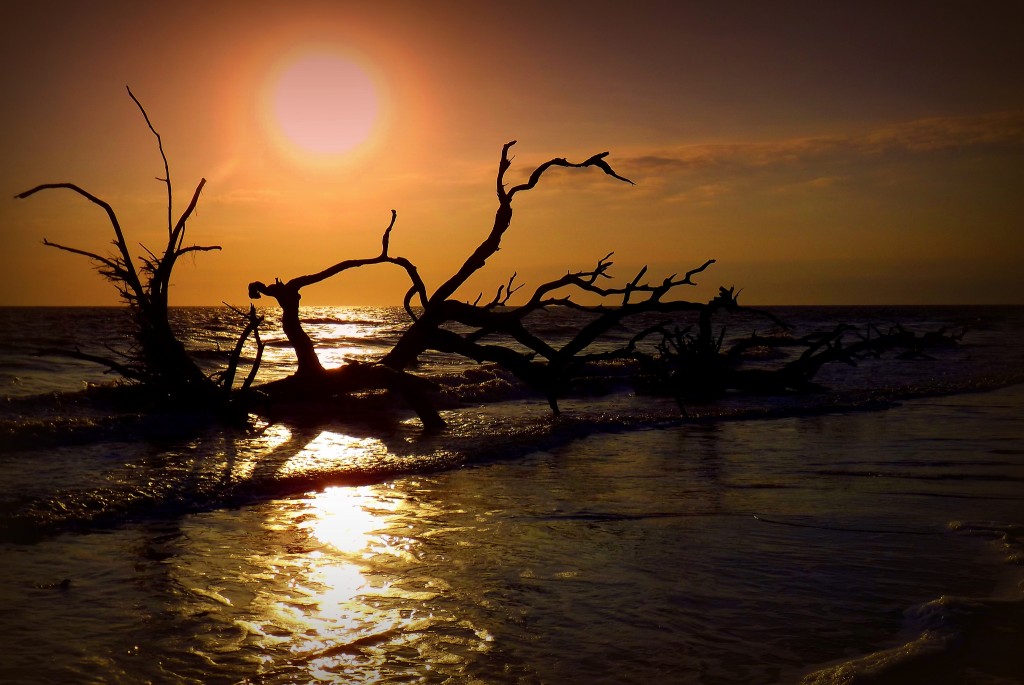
pixel 597 160
pixel 157 357
pixel 505 292
pixel 257 359
pixel 160 282
pixel 386 238
pixel 503 217
pixel 177 235
pixel 108 263
pixel 253 321
pixel 383 258
pixel 131 277
pixel 288 295
pixel 160 145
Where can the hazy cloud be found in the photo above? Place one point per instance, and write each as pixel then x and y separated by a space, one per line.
pixel 921 136
pixel 943 133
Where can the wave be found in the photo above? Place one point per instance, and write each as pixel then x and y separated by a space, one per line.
pixel 952 639
pixel 343 341
pixel 906 475
pixel 106 459
pixel 110 456
pixel 339 320
pixel 112 410
pixel 125 462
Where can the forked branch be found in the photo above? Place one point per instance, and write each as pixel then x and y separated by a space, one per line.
pixel 287 294
pixel 156 356
pixel 131 277
pixel 503 216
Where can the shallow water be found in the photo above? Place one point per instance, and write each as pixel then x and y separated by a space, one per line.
pixel 742 552
pixel 759 541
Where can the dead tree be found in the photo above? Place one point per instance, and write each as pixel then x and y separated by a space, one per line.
pixel 695 368
pixel 155 357
pixel 310 378
pixel 543 366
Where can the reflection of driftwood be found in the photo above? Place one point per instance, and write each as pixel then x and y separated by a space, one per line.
pixel 695 368
pixel 157 358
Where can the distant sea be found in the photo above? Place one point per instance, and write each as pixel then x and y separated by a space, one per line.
pixel 866 533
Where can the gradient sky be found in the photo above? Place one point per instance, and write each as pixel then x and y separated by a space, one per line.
pixel 823 153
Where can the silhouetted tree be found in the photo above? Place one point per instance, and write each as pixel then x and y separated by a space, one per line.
pixel 156 357
pixel 688 365
pixel 542 365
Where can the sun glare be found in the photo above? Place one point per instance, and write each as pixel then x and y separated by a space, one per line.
pixel 342 518
pixel 324 104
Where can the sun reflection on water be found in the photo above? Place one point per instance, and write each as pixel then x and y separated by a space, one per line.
pixel 348 582
pixel 335 451
pixel 350 598
pixel 341 517
pixel 323 614
pixel 342 354
pixel 241 464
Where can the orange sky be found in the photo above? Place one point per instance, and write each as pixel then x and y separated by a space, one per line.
pixel 822 154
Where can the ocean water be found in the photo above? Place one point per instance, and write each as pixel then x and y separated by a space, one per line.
pixel 867 533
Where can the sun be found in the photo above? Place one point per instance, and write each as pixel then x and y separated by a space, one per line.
pixel 324 104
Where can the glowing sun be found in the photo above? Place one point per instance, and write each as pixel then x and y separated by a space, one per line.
pixel 324 104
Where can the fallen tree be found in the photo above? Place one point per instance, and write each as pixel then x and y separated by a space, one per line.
pixel 487 332
pixel 695 368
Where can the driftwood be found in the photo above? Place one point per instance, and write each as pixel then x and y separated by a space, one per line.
pixel 311 380
pixel 684 363
pixel 489 332
pixel 156 357
pixel 695 368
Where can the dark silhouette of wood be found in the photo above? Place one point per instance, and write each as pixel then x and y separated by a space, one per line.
pixel 424 330
pixel 157 358
pixel 311 379
pixel 684 363
pixel 491 332
pixel 693 367
pixel 252 327
pixel 288 296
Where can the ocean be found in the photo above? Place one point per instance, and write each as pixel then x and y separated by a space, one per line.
pixel 870 532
